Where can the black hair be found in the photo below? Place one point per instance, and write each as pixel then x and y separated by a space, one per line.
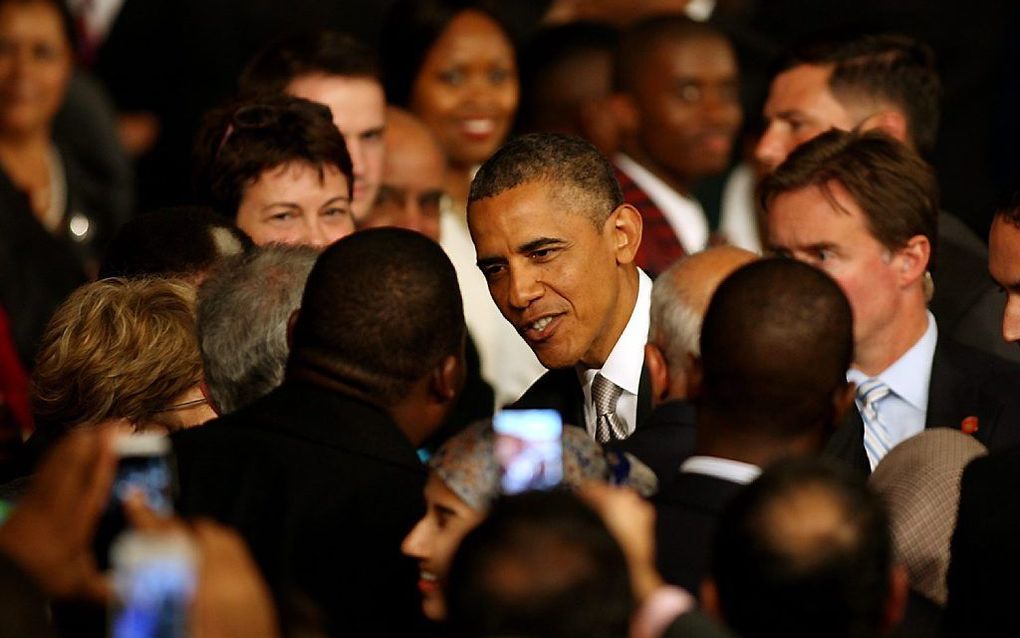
pixel 639 41
pixel 381 308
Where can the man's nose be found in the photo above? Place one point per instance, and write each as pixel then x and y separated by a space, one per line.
pixel 772 148
pixel 524 287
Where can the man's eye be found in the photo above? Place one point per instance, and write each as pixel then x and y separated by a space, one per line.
pixel 491 271
pixel 283 216
pixel 498 76
pixel 375 134
pixel 334 212
pixel 453 77
pixel 689 93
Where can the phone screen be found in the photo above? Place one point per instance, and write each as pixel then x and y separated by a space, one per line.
pixel 529 449
pixel 144 465
pixel 154 577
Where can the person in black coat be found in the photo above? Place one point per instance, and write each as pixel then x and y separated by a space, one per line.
pixel 321 476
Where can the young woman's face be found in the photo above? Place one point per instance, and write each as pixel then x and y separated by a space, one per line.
pixel 467 89
pixel 434 540
pixel 294 204
pixel 35 65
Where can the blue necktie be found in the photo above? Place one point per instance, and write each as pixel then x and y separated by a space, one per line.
pixel 876 435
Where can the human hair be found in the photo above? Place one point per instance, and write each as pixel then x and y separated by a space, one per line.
pixel 67 22
pixel 177 241
pixel 243 310
pixel 778 576
pixel 890 68
pixel 316 52
pixel 583 177
pixel 894 188
pixel 410 29
pixel 1010 212
pixel 776 342
pixel 639 41
pixel 381 308
pixel 242 140
pixel 116 349
pixel 540 564
pixel 673 324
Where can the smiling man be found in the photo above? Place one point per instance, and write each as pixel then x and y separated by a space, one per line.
pixel 556 244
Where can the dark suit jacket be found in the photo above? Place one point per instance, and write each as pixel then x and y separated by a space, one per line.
pixel 560 390
pixel 664 440
pixel 965 382
pixel 687 511
pixel 324 488
pixel 983 584
pixel 660 246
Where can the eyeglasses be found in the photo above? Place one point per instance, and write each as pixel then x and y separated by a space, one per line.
pixel 184 405
pixel 250 117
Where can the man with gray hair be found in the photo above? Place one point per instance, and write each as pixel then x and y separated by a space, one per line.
pixel 680 296
pixel 243 310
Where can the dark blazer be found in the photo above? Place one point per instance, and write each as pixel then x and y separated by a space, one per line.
pixel 324 488
pixel 687 511
pixel 660 246
pixel 985 553
pixel 965 382
pixel 560 390
pixel 664 440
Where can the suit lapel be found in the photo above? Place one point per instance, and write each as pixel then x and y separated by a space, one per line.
pixel 953 396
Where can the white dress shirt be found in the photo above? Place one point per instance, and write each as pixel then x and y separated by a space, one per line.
pixel 623 366
pixel 904 409
pixel 725 469
pixel 685 215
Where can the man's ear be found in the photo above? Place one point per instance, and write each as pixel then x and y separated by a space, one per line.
pixel 624 226
pixel 896 602
pixel 447 379
pixel 890 121
pixel 203 387
pixel 658 373
pixel 291 322
pixel 624 112
pixel 710 600
pixel 912 259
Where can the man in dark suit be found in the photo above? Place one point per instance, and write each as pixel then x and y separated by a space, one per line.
pixel 556 243
pixel 679 299
pixel 985 561
pixel 677 106
pixel 775 345
pixel 862 207
pixel 321 475
pixel 888 83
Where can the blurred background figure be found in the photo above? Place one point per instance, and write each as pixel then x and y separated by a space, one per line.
pixel 919 481
pixel 279 168
pixel 452 64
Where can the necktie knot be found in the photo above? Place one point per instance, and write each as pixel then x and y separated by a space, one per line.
pixel 605 394
pixel 871 392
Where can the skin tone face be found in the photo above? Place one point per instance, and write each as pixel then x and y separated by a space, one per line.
pixel 1004 265
pixel 881 285
pixel 800 107
pixel 292 204
pixel 35 66
pixel 467 90
pixel 688 110
pixel 566 286
pixel 434 540
pixel 359 111
pixel 412 185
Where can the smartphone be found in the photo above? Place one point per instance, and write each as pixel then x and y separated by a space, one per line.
pixel 143 464
pixel 154 581
pixel 529 449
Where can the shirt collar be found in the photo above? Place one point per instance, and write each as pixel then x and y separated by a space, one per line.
pixel 910 375
pixel 726 469
pixel 666 199
pixel 623 366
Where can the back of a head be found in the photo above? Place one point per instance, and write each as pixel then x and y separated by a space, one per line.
pixel 241 140
pixel 883 68
pixel 243 310
pixel 542 564
pixel 316 53
pixel 571 163
pixel 640 41
pixel 381 308
pixel 776 343
pixel 182 241
pixel 804 551
pixel 894 188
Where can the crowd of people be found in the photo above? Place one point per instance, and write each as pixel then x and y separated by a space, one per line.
pixel 789 389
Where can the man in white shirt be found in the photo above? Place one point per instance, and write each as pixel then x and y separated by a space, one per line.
pixel 863 208
pixel 556 244
pixel 775 344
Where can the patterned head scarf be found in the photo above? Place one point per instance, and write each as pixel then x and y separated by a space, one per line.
pixel 467 465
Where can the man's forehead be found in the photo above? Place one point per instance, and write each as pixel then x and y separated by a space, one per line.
pixel 354 99
pixel 802 87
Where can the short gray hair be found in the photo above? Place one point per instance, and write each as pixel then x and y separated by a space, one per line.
pixel 675 327
pixel 243 309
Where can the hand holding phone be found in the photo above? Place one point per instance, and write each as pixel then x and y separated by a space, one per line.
pixel 529 449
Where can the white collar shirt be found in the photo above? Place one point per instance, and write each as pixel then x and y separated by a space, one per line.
pixel 725 469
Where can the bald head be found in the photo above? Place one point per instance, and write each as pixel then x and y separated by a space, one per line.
pixel 413 177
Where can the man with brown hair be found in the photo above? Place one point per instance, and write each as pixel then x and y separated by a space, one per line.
pixel 863 208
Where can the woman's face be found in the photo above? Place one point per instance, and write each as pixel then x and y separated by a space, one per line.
pixel 434 540
pixel 293 204
pixel 467 90
pixel 35 65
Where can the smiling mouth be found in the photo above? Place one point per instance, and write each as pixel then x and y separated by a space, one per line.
pixel 539 329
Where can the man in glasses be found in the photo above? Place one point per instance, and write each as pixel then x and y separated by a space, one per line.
pixel 888 83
